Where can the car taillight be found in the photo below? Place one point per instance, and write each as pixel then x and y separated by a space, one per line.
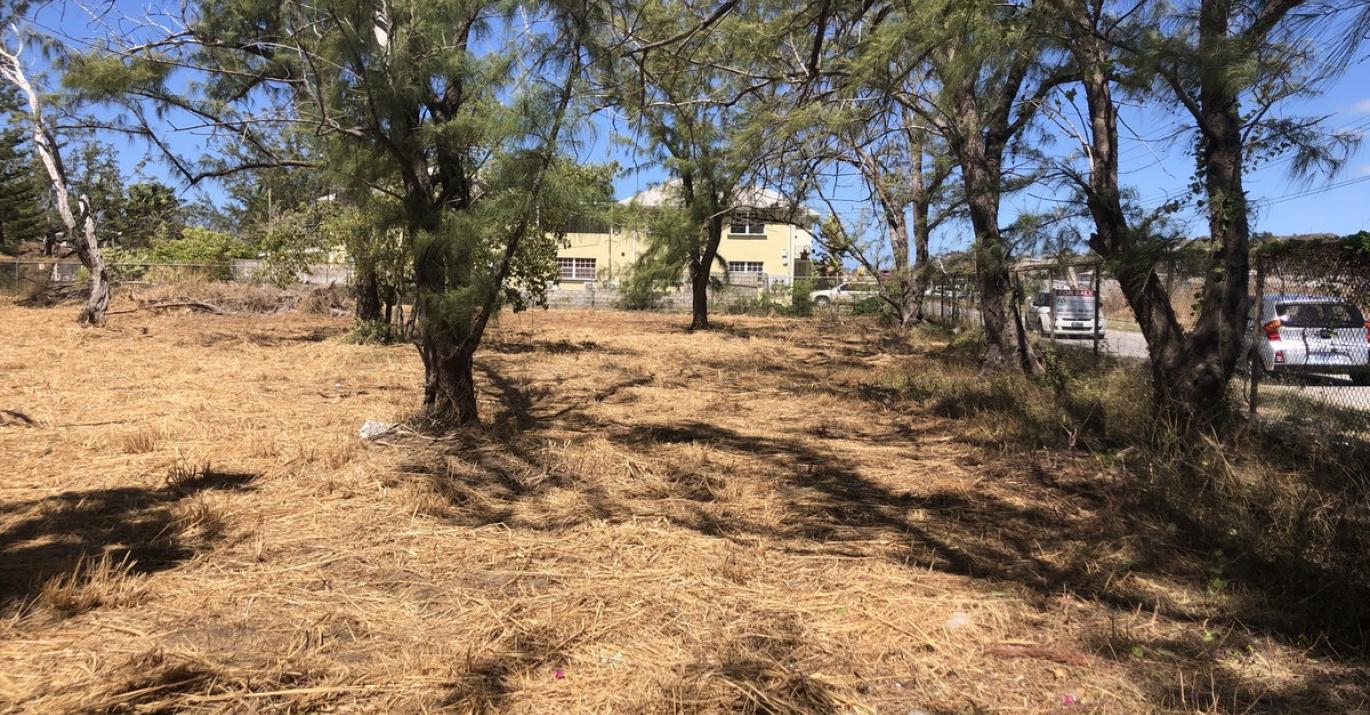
pixel 1272 330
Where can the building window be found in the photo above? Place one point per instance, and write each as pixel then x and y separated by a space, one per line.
pixel 746 227
pixel 576 269
pixel 746 267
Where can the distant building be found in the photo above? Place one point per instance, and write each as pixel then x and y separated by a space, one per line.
pixel 767 240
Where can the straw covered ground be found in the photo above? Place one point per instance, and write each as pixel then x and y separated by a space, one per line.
pixel 649 521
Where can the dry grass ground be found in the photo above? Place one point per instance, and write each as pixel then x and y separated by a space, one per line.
pixel 651 521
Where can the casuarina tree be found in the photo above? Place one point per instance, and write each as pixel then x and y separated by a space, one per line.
pixel 1227 65
pixel 463 103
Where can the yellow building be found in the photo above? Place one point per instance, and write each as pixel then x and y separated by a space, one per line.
pixel 759 247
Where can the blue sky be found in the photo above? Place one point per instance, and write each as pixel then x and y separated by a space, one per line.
pixel 1152 164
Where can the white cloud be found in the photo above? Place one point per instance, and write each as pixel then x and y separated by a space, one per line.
pixel 1364 170
pixel 1362 107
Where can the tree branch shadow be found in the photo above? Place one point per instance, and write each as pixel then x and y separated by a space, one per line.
pixel 49 538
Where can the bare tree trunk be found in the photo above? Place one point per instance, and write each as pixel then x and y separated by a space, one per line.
pixel 1007 346
pixel 80 228
pixel 922 230
pixel 922 268
pixel 449 386
pixel 93 312
pixel 1190 372
pixel 1113 238
pixel 699 275
pixel 368 308
pixel 898 226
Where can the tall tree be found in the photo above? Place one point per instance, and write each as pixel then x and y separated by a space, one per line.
pixel 464 101
pixel 77 217
pixel 697 116
pixel 22 214
pixel 990 75
pixel 906 173
pixel 1207 59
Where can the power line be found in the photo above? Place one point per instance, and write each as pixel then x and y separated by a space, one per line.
pixel 1310 192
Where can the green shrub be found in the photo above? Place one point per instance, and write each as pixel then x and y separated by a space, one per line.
pixel 639 295
pixel 196 246
pixel 871 306
pixel 801 299
pixel 365 332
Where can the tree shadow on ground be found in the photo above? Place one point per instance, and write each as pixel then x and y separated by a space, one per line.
pixel 135 526
pixel 1034 532
pixel 1065 537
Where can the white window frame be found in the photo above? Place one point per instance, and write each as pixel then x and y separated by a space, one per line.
pixel 746 266
pixel 751 228
pixel 575 269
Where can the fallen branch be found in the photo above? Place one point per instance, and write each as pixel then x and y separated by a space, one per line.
pixel 14 417
pixel 1064 656
pixel 198 305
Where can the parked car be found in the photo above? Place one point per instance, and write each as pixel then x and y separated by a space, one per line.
pixel 941 292
pixel 845 292
pixel 1074 310
pixel 1311 334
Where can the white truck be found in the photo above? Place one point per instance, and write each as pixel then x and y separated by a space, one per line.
pixel 1067 312
pixel 846 292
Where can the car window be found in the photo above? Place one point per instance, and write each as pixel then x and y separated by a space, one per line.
pixel 1320 315
pixel 1074 304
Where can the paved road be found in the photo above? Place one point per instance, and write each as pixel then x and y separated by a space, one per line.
pixel 1122 343
pixel 1332 389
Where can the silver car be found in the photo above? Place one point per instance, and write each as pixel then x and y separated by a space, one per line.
pixel 1311 334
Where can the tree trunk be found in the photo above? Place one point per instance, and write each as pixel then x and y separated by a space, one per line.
pixel 1006 341
pixel 699 297
pixel 922 231
pixel 368 297
pixel 903 278
pixel 1199 394
pixel 699 275
pixel 80 227
pixel 1190 372
pixel 922 268
pixel 88 249
pixel 1113 239
pixel 449 387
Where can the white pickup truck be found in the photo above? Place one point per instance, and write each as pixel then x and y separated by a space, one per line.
pixel 845 292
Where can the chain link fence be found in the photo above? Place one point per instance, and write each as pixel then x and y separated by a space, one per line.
pixel 28 276
pixel 1306 362
pixel 1308 350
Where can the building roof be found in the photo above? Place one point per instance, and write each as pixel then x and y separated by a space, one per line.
pixel 747 199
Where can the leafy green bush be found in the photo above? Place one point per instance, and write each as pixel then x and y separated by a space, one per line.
pixel 801 298
pixel 196 246
pixel 368 332
pixel 870 306
pixel 639 295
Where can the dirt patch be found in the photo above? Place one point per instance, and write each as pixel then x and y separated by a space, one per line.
pixel 649 521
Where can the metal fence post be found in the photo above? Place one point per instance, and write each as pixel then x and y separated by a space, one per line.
pixel 941 300
pixel 1253 355
pixel 1051 300
pixel 1098 298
